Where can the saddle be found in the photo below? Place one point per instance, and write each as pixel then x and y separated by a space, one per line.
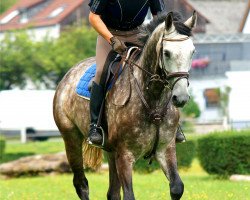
pixel 111 71
pixel 113 68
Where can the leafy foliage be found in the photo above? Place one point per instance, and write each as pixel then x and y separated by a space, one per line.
pixel 13 61
pixel 224 99
pixel 44 62
pixel 2 146
pixel 225 153
pixel 6 4
pixel 191 109
pixel 185 154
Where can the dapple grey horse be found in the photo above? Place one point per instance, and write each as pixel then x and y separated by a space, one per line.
pixel 141 111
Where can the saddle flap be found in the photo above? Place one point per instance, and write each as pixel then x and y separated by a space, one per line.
pixel 120 94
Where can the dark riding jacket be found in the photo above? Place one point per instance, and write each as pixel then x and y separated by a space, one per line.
pixel 125 15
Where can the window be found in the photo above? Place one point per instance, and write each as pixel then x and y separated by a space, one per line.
pixel 24 15
pixel 9 17
pixel 56 12
pixel 212 97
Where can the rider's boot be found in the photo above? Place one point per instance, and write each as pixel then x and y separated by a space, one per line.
pixel 96 136
pixel 180 137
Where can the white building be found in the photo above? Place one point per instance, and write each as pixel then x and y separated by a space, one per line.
pixel 42 18
pixel 229 66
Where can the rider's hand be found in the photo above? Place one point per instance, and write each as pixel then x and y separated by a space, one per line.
pixel 117 45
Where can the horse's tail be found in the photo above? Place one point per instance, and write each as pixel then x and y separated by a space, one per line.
pixel 92 156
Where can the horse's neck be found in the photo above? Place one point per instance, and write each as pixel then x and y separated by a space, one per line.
pixel 149 55
pixel 149 62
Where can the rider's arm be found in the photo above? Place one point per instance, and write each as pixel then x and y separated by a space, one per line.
pixel 97 23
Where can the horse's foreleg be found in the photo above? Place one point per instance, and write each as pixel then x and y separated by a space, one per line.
pixel 73 143
pixel 114 183
pixel 124 165
pixel 167 160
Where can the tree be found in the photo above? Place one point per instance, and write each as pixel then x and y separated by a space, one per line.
pixel 44 62
pixel 74 45
pixel 6 4
pixel 14 55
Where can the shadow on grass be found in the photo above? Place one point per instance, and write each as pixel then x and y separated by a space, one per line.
pixel 7 157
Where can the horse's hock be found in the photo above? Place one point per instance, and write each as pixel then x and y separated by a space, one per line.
pixel 35 165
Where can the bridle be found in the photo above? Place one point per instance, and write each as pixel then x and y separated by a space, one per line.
pixel 164 79
pixel 156 114
pixel 170 75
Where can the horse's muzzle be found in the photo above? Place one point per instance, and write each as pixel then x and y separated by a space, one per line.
pixel 180 101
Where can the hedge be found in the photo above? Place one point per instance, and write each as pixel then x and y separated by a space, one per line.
pixel 185 154
pixel 2 146
pixel 225 153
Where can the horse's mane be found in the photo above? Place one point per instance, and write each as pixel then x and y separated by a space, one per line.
pixel 180 27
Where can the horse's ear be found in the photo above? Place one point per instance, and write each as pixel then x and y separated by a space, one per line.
pixel 169 21
pixel 191 22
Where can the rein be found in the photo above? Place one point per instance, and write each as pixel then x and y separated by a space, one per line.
pixel 157 114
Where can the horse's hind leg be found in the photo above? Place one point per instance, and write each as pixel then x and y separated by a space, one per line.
pixel 114 183
pixel 73 143
pixel 167 160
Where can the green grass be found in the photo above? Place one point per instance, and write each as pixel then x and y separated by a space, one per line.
pixel 146 187
pixel 198 184
pixel 15 150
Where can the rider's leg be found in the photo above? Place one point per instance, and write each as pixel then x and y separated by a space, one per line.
pixel 97 92
pixel 102 50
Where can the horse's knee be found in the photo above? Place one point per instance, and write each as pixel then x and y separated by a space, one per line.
pixel 176 189
pixel 81 187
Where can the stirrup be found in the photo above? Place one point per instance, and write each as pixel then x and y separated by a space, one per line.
pixel 180 131
pixel 103 138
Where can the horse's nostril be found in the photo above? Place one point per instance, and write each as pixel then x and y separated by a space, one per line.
pixel 174 98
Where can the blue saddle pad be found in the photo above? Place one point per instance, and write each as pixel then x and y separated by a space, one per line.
pixel 82 86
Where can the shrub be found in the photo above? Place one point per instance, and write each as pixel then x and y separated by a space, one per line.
pixel 191 109
pixel 142 166
pixel 2 146
pixel 185 154
pixel 225 153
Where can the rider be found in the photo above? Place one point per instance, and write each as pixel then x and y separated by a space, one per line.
pixel 116 21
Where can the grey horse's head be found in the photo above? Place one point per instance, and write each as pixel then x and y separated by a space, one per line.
pixel 177 51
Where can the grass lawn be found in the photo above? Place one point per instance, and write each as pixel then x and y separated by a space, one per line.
pixel 146 187
pixel 15 149
pixel 198 184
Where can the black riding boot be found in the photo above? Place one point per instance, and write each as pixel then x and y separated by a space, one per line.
pixel 180 137
pixel 96 99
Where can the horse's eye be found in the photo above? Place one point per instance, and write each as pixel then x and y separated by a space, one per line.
pixel 167 54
